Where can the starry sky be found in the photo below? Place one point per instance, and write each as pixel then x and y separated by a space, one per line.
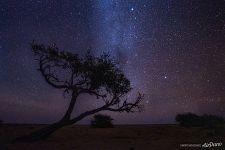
pixel 173 51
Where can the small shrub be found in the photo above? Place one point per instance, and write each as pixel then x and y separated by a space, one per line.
pixel 102 121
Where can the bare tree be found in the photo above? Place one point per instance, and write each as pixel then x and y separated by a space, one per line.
pixel 96 76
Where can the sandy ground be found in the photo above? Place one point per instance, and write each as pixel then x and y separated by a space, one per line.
pixel 136 137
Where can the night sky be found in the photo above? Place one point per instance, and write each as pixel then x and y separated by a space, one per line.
pixel 172 51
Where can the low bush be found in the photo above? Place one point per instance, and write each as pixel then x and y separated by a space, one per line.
pixel 102 121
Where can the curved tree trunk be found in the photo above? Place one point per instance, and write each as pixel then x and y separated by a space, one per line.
pixel 40 134
pixel 45 132
pixel 73 100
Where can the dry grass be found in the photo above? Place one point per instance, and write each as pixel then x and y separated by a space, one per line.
pixel 137 137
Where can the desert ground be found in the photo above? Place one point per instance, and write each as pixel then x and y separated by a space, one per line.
pixel 123 137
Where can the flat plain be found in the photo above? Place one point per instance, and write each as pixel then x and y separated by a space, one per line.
pixel 121 137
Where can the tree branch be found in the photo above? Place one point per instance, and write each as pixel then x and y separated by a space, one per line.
pixel 87 113
pixel 92 92
pixel 127 107
pixel 48 76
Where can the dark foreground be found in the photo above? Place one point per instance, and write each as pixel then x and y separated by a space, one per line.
pixel 136 137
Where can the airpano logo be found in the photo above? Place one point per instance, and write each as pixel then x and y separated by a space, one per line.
pixel 211 144
pixel 205 145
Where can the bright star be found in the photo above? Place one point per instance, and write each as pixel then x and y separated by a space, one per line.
pixel 132 9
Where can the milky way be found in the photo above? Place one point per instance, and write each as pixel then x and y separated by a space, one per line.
pixel 172 51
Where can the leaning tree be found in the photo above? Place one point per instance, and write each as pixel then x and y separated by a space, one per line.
pixel 74 75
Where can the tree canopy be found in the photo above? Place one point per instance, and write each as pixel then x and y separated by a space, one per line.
pixel 98 76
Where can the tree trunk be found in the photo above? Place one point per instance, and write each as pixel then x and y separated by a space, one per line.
pixel 73 100
pixel 45 132
pixel 41 134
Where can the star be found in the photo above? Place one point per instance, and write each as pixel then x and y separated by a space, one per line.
pixel 157 50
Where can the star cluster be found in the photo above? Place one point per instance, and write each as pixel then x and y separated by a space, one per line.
pixel 172 51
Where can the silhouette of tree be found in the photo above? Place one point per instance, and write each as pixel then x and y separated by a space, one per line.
pixel 102 121
pixel 96 76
